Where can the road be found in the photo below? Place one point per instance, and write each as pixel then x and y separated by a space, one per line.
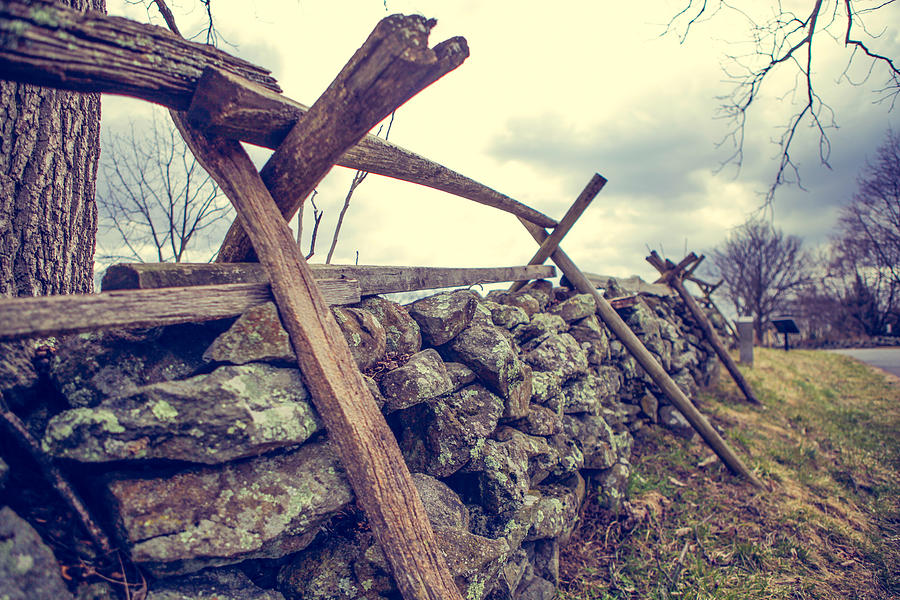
pixel 883 358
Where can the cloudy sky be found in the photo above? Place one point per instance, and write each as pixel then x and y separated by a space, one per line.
pixel 552 93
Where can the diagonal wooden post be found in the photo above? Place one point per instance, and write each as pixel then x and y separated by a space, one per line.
pixel 637 349
pixel 671 274
pixel 393 65
pixel 559 232
pixel 367 89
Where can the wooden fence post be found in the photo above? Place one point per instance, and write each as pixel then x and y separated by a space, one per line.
pixel 646 360
pixel 671 274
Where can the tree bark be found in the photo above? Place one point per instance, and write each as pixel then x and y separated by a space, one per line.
pixel 49 147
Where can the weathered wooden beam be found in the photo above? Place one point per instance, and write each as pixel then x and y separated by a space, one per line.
pixel 365 444
pixel 47 44
pixel 371 279
pixel 575 211
pixel 671 273
pixel 235 108
pixel 367 447
pixel 43 316
pixel 393 65
pixel 637 349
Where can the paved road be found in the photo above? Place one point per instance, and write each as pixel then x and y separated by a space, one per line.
pixel 883 358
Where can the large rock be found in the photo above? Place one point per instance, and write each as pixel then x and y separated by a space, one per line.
pixel 233 412
pixel 438 437
pixel 540 420
pixel 561 354
pixel 672 419
pixel 364 334
pixel 443 316
pixel 422 378
pixel 265 507
pixel 575 308
pixel 540 326
pixel 90 367
pixel 18 376
pixel 502 469
pixel 28 569
pixel 593 337
pixel 503 315
pixel 442 505
pixel 556 513
pixel 218 584
pixel 402 333
pixel 257 336
pixel 494 360
pixel 596 438
pixel 585 394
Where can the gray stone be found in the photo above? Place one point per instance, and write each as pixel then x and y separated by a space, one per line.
pixel 537 588
pixel 593 337
pixel 90 367
pixel 540 420
pixel 443 316
pixel 402 333
pixel 542 457
pixel 612 486
pixel 494 360
pixel 575 308
pixel 17 373
pixel 442 505
pixel 265 507
pixel 460 375
pixel 545 559
pixel 525 301
pixel 364 334
pixel 541 290
pixel 422 378
pixel 571 458
pixel 257 336
pixel 643 321
pixel 328 571
pixel 438 437
pixel 650 406
pixel 473 561
pixel 4 474
pixel 97 590
pixel 556 513
pixel 586 394
pixel 595 437
pixel 561 354
pixel 540 325
pixel 218 584
pixel 502 469
pixel 672 419
pixel 28 569
pixel 503 315
pixel 545 386
pixel 233 412
pixel 686 382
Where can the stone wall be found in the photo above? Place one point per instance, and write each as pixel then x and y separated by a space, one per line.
pixel 204 455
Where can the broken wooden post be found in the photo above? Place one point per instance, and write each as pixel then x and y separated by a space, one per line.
pixel 575 211
pixel 671 274
pixel 392 65
pixel 395 54
pixel 646 360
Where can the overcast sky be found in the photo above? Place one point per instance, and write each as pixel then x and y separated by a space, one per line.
pixel 551 93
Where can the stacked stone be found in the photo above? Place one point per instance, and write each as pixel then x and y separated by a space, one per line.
pixel 216 474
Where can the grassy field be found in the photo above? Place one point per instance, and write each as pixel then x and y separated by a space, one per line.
pixel 827 445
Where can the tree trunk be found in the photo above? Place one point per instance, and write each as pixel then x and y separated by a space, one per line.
pixel 49 148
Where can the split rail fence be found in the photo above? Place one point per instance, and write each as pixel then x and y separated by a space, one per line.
pixel 216 101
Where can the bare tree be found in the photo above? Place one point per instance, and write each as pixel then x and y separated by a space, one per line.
pixel 763 270
pixel 867 242
pixel 785 41
pixel 155 201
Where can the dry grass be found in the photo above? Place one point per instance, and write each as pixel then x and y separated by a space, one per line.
pixel 827 444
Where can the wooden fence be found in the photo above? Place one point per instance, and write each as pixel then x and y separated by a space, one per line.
pixel 216 101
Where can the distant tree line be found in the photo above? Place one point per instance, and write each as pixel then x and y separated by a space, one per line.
pixel 850 288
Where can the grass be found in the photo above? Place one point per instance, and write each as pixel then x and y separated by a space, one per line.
pixel 826 442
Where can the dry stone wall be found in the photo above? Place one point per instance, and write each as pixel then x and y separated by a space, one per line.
pixel 206 457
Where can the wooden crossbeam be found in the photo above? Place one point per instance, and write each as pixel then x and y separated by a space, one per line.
pixel 637 349
pixel 371 279
pixel 394 55
pixel 672 275
pixel 572 215
pixel 42 316
pixel 48 44
pixel 233 107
